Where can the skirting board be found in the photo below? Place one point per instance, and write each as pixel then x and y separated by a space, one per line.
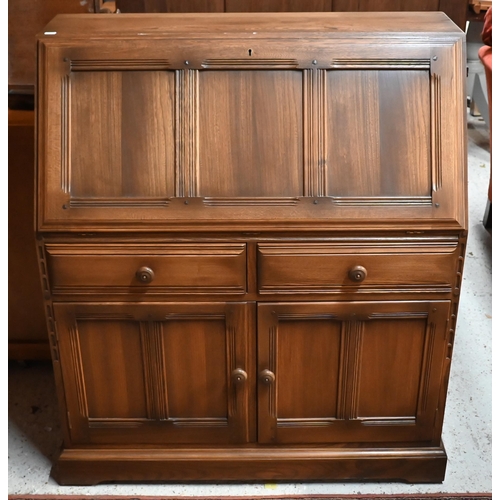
pixel 93 466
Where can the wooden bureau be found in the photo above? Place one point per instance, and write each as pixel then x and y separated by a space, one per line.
pixel 251 235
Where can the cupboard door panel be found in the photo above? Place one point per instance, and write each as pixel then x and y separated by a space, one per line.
pixel 130 372
pixel 308 352
pixel 200 370
pixel 391 351
pixel 350 372
pixel 114 379
pixel 245 119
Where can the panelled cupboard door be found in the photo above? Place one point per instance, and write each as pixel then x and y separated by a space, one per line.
pixel 154 373
pixel 350 372
pixel 173 131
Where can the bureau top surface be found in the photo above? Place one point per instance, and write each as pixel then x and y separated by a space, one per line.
pixel 253 25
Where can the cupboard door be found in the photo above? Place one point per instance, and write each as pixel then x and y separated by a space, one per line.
pixel 131 372
pixel 350 372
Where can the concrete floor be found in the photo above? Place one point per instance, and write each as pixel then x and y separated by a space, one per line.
pixel 34 435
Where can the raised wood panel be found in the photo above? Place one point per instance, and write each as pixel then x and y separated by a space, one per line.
pixel 391 349
pixel 361 372
pixel 112 368
pixel 307 354
pixel 245 118
pixel 200 370
pixel 122 135
pixel 379 134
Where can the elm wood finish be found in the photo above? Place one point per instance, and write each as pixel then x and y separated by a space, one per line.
pixel 231 293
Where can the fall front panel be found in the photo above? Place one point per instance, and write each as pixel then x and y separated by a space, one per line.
pixel 159 135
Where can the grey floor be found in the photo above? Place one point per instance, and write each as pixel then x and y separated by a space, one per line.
pixel 34 436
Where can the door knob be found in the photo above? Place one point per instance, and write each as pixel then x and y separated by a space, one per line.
pixel 145 274
pixel 358 274
pixel 267 377
pixel 239 376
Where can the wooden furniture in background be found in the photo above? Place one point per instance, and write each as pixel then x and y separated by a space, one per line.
pixel 251 232
pixel 26 19
pixel 479 6
pixel 27 328
pixel 457 10
pixel 27 331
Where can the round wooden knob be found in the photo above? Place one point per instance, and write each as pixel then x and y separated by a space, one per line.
pixel 239 376
pixel 358 274
pixel 145 274
pixel 267 377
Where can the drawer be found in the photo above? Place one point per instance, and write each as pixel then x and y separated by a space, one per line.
pixel 364 266
pixel 166 268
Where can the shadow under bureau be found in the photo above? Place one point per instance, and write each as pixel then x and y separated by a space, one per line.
pixel 251 234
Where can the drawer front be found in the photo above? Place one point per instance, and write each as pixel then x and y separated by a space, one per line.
pixel 431 266
pixel 167 268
